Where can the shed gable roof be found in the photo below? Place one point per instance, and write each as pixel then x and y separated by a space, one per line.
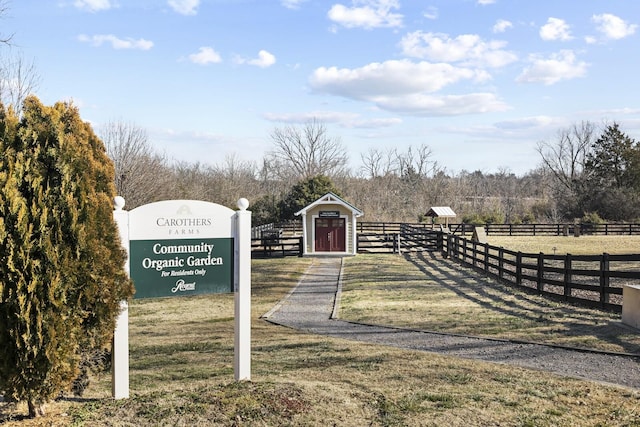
pixel 330 199
pixel 441 212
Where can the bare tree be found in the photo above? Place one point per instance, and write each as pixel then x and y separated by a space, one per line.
pixel 142 175
pixel 565 156
pixel 416 161
pixel 18 79
pixel 371 163
pixel 564 159
pixel 3 10
pixel 235 178
pixel 376 163
pixel 307 151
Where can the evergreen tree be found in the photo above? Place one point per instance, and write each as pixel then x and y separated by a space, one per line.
pixel 614 160
pixel 612 188
pixel 61 263
pixel 304 193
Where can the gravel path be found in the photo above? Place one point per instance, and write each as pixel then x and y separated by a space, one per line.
pixel 312 305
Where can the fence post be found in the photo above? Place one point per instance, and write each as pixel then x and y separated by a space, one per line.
pixel 540 272
pixel 604 279
pixel 486 258
pixel 464 251
pixel 501 262
pixel 300 248
pixel 567 277
pixel 519 268
pixel 474 252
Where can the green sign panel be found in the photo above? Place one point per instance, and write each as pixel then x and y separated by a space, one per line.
pixel 162 268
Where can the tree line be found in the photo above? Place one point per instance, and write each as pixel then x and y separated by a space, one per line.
pixel 585 172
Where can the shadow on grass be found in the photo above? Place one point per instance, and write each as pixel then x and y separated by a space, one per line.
pixel 489 294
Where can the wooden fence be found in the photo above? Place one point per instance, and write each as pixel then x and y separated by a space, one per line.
pixel 561 229
pixel 396 237
pixel 382 228
pixel 593 280
pixel 269 247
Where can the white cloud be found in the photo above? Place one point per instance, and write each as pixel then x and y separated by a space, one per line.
pixel 374 123
pixel 559 66
pixel 116 42
pixel 447 105
pixel 501 26
pixel 292 4
pixel 390 77
pixel 431 12
pixel 407 87
pixel 466 49
pixel 93 5
pixel 486 2
pixel 325 116
pixel 344 119
pixel 555 29
pixel 205 55
pixel 366 14
pixel 613 27
pixel 184 7
pixel 590 40
pixel 532 122
pixel 526 128
pixel 265 59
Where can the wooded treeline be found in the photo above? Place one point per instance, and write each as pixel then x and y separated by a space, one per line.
pixel 585 172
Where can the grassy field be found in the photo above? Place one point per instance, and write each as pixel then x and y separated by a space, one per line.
pixel 182 372
pixel 423 291
pixel 583 245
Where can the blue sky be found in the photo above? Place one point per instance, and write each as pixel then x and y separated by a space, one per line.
pixel 478 81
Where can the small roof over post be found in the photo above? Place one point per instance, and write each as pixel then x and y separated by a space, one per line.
pixel 441 212
pixel 331 199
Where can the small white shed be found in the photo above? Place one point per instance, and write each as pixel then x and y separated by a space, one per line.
pixel 329 226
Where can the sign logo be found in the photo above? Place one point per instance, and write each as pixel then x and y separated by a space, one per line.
pixel 182 286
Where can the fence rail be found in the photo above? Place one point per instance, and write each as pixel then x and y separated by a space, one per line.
pixel 561 229
pixel 276 247
pixel 295 227
pixel 593 280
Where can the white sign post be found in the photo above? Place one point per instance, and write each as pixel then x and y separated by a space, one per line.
pixel 120 344
pixel 178 239
pixel 242 293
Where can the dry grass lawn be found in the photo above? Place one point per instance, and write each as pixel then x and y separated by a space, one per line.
pixel 424 291
pixel 182 371
pixel 583 245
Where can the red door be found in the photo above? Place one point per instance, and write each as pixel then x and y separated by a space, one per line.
pixel 330 235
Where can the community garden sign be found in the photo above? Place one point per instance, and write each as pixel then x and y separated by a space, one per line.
pixel 186 247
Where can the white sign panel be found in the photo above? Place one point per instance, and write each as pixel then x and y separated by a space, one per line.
pixel 180 219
